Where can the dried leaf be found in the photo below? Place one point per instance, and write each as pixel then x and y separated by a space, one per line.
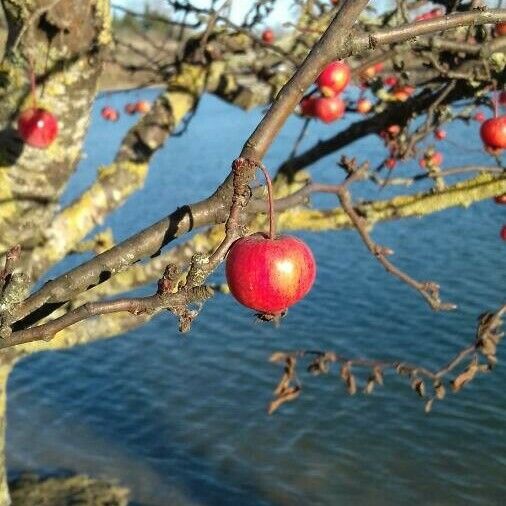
pixel 464 377
pixel 351 384
pixel 378 375
pixel 440 391
pixel 428 405
pixel 418 386
pixel 369 387
pixel 277 356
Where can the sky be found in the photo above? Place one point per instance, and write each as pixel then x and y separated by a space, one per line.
pixel 280 15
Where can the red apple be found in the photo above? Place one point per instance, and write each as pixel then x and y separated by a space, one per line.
pixel 480 117
pixel 142 106
pixel 130 108
pixel 37 127
pixel 270 275
pixel 503 233
pixel 390 163
pixel 334 78
pixel 402 93
pixel 493 132
pixel 307 106
pixel 390 81
pixel 500 28
pixel 268 36
pixel 328 109
pixel 439 134
pixel 363 106
pixel 500 199
pixel 109 113
pixel 434 159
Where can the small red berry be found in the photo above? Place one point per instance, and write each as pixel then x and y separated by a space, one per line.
pixel 503 233
pixel 500 199
pixel 130 108
pixel 439 134
pixel 307 106
pixel 390 163
pixel 390 81
pixel 142 106
pixel 328 109
pixel 364 106
pixel 268 36
pixel 109 113
pixel 334 78
pixel 480 117
pixel 500 28
pixel 37 127
pixel 434 159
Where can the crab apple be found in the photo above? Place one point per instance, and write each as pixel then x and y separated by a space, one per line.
pixel 500 28
pixel 390 163
pixel 493 132
pixel 268 36
pixel 142 106
pixel 394 129
pixel 479 117
pixel 372 70
pixel 37 127
pixel 109 113
pixel 334 78
pixel 402 93
pixel 439 134
pixel 307 106
pixel 270 275
pixel 390 81
pixel 364 106
pixel 130 108
pixel 435 159
pixel 503 233
pixel 500 199
pixel 328 109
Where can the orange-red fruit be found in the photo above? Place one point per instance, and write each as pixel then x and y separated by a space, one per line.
pixel 500 199
pixel 268 36
pixel 503 233
pixel 434 160
pixel 402 93
pixel 439 134
pixel 142 106
pixel 307 106
pixel 328 109
pixel 364 106
pixel 500 28
pixel 130 108
pixel 109 113
pixel 480 117
pixel 493 132
pixel 390 81
pixel 37 127
pixel 334 78
pixel 390 163
pixel 270 275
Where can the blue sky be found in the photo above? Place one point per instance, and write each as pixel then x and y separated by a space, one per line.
pixel 239 7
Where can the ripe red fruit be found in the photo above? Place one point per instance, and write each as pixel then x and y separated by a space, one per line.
pixel 130 108
pixel 493 132
pixel 328 109
pixel 37 127
pixel 502 98
pixel 142 106
pixel 307 106
pixel 268 36
pixel 433 160
pixel 363 106
pixel 334 78
pixel 270 275
pixel 390 81
pixel 500 199
pixel 390 163
pixel 109 113
pixel 503 233
pixel 500 28
pixel 402 93
pixel 394 129
pixel 480 117
pixel 439 134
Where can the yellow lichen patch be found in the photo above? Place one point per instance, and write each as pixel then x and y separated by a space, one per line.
pixel 103 10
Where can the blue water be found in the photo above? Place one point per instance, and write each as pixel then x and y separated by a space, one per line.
pixel 182 420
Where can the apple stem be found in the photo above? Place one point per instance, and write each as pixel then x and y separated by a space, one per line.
pixel 272 225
